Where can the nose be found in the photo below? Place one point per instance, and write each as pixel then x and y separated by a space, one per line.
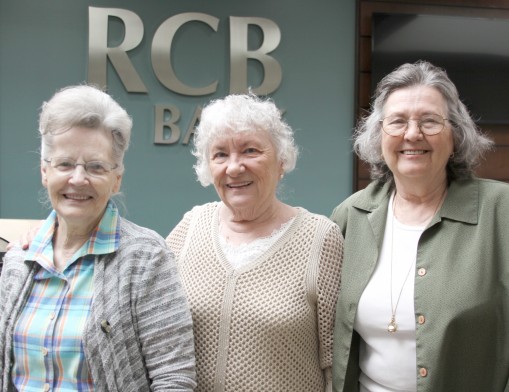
pixel 235 166
pixel 413 132
pixel 79 175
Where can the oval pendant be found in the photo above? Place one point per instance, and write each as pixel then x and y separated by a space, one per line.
pixel 392 327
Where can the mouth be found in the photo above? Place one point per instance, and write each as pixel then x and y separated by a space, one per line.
pixel 77 197
pixel 413 152
pixel 238 185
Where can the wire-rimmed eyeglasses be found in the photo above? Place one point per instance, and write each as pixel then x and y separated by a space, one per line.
pixel 67 166
pixel 430 124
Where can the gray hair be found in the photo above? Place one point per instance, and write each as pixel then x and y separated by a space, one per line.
pixel 89 107
pixel 470 144
pixel 242 113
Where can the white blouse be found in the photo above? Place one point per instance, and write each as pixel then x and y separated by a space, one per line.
pixel 241 255
pixel 388 360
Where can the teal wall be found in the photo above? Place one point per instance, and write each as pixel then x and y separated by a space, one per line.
pixel 44 46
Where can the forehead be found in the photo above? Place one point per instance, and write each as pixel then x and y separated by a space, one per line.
pixel 95 141
pixel 415 99
pixel 241 138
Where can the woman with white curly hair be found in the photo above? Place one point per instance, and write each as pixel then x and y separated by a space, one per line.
pixel 262 277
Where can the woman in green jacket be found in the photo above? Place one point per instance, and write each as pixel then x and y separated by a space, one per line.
pixel 424 304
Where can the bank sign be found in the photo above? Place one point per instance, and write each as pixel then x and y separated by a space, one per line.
pixel 167 116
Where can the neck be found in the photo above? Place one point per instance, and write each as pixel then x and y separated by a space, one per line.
pixel 421 189
pixel 250 224
pixel 67 240
pixel 416 208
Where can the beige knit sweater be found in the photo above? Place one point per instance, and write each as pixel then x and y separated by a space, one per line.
pixel 266 326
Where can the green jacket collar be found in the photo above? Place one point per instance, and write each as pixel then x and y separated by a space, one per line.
pixel 461 203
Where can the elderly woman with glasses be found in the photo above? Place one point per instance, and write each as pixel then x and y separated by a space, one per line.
pixel 95 303
pixel 425 300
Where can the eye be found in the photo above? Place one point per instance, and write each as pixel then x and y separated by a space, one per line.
pixel 429 121
pixel 219 155
pixel 96 167
pixel 64 164
pixel 250 150
pixel 397 121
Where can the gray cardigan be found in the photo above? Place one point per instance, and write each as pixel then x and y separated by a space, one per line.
pixel 139 331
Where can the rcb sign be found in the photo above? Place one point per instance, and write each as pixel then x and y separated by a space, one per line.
pixel 161 53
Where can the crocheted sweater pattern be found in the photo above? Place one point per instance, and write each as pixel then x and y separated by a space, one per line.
pixel 266 326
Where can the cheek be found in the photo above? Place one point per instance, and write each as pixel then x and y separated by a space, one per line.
pixel 51 183
pixel 216 173
pixel 384 149
pixel 451 145
pixel 447 145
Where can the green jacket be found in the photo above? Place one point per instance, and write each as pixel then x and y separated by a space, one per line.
pixel 461 287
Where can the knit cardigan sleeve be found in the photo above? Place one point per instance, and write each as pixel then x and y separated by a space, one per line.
pixel 178 236
pixel 15 285
pixel 327 290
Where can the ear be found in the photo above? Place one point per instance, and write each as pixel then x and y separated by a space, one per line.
pixel 117 183
pixel 44 178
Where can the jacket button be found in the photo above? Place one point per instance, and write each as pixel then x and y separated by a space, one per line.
pixel 423 372
pixel 105 326
pixel 421 271
pixel 421 319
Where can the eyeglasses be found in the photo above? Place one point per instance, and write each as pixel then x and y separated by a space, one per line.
pixel 430 124
pixel 66 166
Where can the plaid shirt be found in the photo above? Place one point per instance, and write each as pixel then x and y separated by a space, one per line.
pixel 47 345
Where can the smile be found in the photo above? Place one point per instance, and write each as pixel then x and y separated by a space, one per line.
pixel 239 184
pixel 413 152
pixel 76 197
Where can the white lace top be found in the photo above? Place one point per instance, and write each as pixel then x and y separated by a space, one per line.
pixel 241 255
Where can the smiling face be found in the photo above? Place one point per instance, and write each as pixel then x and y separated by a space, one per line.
pixel 245 171
pixel 414 157
pixel 78 198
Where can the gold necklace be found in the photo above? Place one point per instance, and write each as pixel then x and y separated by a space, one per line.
pixel 392 326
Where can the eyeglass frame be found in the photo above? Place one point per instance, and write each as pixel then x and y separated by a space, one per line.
pixel 107 165
pixel 419 121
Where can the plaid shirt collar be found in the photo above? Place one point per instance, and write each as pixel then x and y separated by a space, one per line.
pixel 103 240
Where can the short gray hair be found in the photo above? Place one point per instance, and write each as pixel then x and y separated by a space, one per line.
pixel 85 106
pixel 470 144
pixel 242 113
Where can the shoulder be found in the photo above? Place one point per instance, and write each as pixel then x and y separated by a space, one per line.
pixel 200 215
pixel 493 195
pixel 480 190
pixel 133 234
pixel 14 260
pixel 207 209
pixel 482 183
pixel 140 247
pixel 493 188
pixel 15 272
pixel 318 224
pixel 367 199
pixel 141 254
pixel 317 219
